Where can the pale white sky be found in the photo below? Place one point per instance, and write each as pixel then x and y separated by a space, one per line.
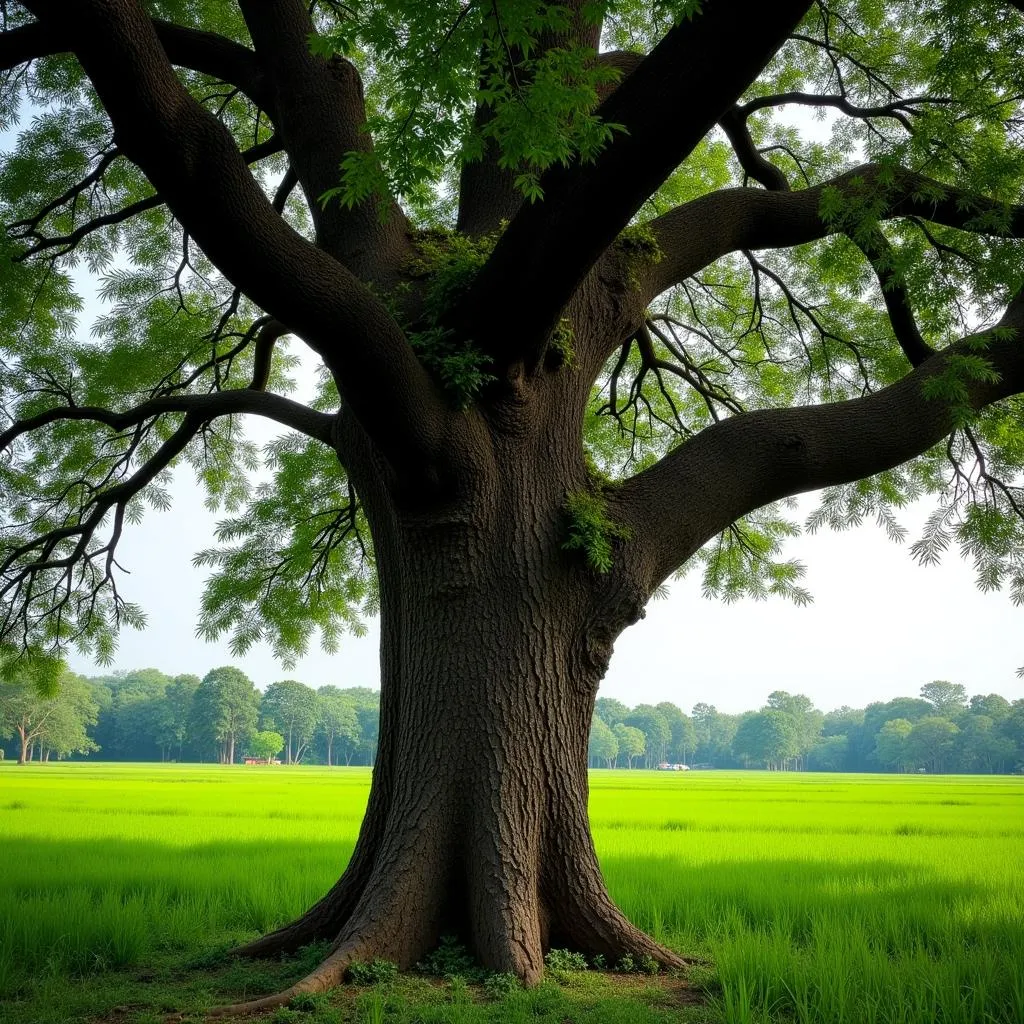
pixel 880 626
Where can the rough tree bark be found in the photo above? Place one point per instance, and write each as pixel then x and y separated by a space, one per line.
pixel 494 643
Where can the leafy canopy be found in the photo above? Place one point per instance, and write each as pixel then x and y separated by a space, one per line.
pixel 931 88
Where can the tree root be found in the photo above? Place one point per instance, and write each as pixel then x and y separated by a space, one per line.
pixel 330 974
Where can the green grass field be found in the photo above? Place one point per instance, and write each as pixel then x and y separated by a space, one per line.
pixel 817 898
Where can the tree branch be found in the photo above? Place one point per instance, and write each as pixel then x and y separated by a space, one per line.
pixel 66 243
pixel 755 164
pixel 206 52
pixel 321 116
pixel 193 163
pixel 696 234
pixel 733 467
pixel 487 192
pixel 550 246
pixel 295 415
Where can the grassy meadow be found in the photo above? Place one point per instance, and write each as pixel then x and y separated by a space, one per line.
pixel 829 899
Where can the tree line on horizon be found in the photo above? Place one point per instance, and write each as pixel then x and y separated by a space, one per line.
pixel 147 715
pixel 942 730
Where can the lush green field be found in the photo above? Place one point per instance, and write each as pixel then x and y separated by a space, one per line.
pixel 818 898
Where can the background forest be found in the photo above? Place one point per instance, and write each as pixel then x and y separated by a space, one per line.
pixel 146 715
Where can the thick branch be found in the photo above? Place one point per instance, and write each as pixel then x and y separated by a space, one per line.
pixel 487 192
pixel 291 414
pixel 698 233
pixel 750 460
pixel 665 107
pixel 206 52
pixel 192 161
pixel 321 116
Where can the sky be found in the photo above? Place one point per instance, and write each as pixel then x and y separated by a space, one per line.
pixel 880 626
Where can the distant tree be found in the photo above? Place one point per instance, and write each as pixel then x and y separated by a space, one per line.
pixel 930 742
pixel 369 731
pixel 631 742
pixel 64 731
pixel 291 707
pixel 945 697
pixel 1012 727
pixel 225 709
pixel 980 747
pixel 891 749
pixel 610 711
pixel 603 747
pixel 174 720
pixel 805 717
pixel 703 715
pixel 683 739
pixel 991 704
pixel 657 732
pixel 876 714
pixel 829 754
pixel 842 721
pixel 265 745
pixel 769 737
pixel 338 721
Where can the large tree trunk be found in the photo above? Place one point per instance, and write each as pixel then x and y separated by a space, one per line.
pixel 477 819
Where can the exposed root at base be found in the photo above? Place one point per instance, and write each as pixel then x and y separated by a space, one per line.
pixel 329 974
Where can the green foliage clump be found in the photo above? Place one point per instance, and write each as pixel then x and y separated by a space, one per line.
pixel 561 344
pixel 450 261
pixel 565 960
pixel 422 63
pixel 591 531
pixel 638 244
pixel 378 971
pixel 499 985
pixel 451 959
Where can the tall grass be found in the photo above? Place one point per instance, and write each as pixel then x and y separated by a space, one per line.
pixel 824 899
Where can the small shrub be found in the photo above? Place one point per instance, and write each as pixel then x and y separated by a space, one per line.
pixel 626 965
pixel 498 986
pixel 598 962
pixel 450 960
pixel 375 972
pixel 565 960
pixel 646 964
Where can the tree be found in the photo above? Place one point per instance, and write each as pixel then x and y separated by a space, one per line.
pixel 684 735
pixel 991 705
pixel 336 714
pixel 930 742
pixel 657 732
pixel 891 750
pixel 631 742
pixel 225 710
pixel 769 737
pixel 64 732
pixel 603 748
pixel 292 707
pixel 610 711
pixel 947 698
pixel 805 717
pixel 265 744
pixel 174 720
pixel 581 316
